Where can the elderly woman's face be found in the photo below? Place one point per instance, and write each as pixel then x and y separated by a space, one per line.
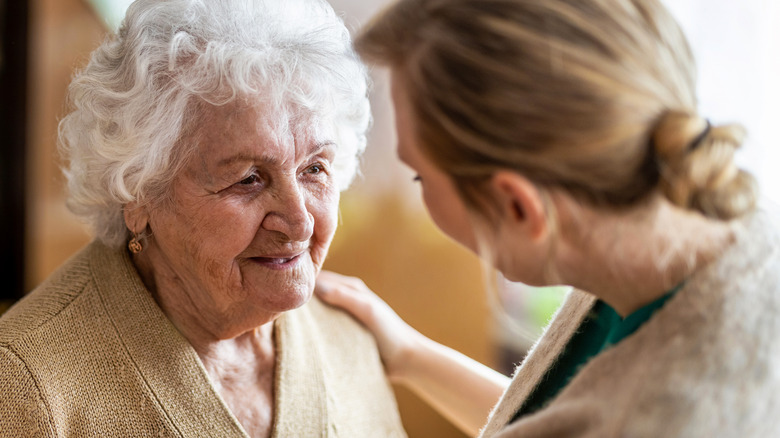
pixel 251 217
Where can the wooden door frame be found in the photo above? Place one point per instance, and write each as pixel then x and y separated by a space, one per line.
pixel 14 25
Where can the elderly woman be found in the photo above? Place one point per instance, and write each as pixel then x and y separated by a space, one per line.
pixel 207 147
pixel 560 139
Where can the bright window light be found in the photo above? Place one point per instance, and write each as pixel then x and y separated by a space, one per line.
pixel 737 49
pixel 111 11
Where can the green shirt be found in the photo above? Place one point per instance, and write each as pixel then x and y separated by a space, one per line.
pixel 601 329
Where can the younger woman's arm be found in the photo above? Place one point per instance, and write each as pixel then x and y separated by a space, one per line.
pixel 461 389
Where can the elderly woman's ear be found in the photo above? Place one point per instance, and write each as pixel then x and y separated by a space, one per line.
pixel 136 217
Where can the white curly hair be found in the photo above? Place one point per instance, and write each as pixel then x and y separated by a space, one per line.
pixel 143 88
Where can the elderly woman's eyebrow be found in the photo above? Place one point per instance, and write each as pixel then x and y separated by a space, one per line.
pixel 315 149
pixel 319 147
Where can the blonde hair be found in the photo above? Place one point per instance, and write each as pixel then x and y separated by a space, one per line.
pixel 593 97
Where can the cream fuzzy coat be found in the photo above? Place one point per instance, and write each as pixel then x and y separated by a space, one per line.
pixel 705 365
pixel 90 354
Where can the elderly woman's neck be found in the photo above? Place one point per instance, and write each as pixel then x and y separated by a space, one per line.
pixel 243 355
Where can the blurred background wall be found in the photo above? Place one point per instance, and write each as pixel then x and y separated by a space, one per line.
pixel 385 236
pixel 62 34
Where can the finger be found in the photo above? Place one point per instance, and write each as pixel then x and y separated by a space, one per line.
pixel 360 305
pixel 328 277
pixel 328 280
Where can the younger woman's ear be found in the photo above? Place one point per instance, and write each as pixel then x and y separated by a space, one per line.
pixel 521 203
pixel 136 217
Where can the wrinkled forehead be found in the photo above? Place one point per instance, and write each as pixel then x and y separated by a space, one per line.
pixel 281 118
pixel 279 124
pixel 278 135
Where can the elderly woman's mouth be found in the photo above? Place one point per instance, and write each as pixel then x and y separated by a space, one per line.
pixel 280 262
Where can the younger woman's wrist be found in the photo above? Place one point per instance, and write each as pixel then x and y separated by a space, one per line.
pixel 412 360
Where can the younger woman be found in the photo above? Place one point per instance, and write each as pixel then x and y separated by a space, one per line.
pixel 560 140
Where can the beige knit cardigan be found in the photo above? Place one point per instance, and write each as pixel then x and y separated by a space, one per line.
pixel 706 365
pixel 90 354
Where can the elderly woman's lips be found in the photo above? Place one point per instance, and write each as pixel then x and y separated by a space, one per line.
pixel 278 262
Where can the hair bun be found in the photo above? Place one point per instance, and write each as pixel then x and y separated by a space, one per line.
pixel 697 169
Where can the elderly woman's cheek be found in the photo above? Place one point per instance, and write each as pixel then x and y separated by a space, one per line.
pixel 325 211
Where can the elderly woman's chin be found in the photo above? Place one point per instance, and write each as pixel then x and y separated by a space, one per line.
pixel 280 284
pixel 266 287
pixel 202 287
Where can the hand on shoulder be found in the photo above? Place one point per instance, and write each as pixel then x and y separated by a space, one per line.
pixel 395 339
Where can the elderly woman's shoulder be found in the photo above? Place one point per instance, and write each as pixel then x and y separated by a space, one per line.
pixel 69 301
pixel 336 322
pixel 34 334
pixel 336 334
pixel 47 300
pixel 344 351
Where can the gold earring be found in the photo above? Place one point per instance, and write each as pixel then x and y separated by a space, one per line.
pixel 135 245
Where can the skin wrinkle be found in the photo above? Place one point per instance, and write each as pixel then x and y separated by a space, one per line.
pixel 208 266
pixel 183 85
pixel 194 248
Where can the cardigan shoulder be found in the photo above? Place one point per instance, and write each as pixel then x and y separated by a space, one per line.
pixel 367 404
pixel 346 344
pixel 23 411
pixel 60 351
pixel 46 301
pixel 562 327
pixel 710 353
pixel 329 378
pixel 89 353
pixel 339 323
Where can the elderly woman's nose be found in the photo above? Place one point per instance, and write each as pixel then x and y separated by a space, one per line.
pixel 290 216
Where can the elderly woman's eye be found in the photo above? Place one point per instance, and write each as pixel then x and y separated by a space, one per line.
pixel 417 178
pixel 251 179
pixel 315 169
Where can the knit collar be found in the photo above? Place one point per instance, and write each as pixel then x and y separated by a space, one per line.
pixel 175 375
